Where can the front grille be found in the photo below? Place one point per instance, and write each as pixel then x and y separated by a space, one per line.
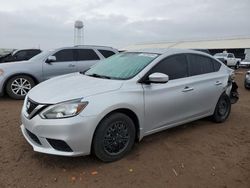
pixel 33 137
pixel 59 145
pixel 30 106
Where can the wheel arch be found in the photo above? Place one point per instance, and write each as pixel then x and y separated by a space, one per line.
pixel 19 74
pixel 127 112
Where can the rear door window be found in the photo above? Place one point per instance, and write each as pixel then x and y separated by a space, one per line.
pixel 199 64
pixel 216 64
pixel 175 67
pixel 86 55
pixel 106 53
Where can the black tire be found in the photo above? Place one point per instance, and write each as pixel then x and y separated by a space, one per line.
pixel 222 109
pixel 12 86
pixel 246 86
pixel 109 147
pixel 237 66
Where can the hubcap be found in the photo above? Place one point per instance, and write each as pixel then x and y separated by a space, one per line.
pixel 20 86
pixel 223 107
pixel 116 138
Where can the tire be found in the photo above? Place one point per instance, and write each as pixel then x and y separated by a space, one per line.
pixel 237 66
pixel 222 109
pixel 18 86
pixel 246 86
pixel 109 147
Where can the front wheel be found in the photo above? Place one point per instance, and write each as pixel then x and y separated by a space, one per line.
pixel 237 66
pixel 222 109
pixel 114 137
pixel 18 86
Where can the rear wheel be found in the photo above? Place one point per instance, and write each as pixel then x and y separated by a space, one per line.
pixel 114 137
pixel 222 109
pixel 18 86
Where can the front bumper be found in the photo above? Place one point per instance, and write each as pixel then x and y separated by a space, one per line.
pixel 76 132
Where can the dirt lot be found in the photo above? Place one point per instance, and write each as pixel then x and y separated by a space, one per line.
pixel 198 154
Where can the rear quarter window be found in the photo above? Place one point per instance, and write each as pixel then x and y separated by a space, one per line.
pixel 216 64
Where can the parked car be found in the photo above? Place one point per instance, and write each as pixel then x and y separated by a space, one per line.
pixel 124 98
pixel 228 59
pixel 245 63
pixel 17 78
pixel 19 55
pixel 247 80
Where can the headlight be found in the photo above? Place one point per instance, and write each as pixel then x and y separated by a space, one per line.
pixel 64 110
pixel 1 72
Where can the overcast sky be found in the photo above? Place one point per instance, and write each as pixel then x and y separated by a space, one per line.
pixel 49 23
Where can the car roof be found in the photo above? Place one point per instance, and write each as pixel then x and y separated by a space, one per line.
pixel 87 47
pixel 168 51
pixel 94 46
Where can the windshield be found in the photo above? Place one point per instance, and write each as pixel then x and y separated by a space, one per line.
pixel 221 55
pixel 122 66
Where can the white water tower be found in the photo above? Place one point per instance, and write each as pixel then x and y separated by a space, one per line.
pixel 78 33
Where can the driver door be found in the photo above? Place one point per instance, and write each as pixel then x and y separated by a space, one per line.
pixel 166 104
pixel 65 63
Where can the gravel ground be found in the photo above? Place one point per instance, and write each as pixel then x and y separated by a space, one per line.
pixel 198 154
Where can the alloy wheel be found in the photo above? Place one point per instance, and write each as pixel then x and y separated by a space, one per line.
pixel 116 138
pixel 20 86
pixel 223 107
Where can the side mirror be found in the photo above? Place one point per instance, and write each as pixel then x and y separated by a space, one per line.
pixel 51 59
pixel 158 78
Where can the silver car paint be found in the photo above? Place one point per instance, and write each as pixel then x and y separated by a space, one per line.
pixel 37 68
pixel 157 106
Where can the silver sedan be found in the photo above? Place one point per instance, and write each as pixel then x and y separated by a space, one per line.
pixel 124 98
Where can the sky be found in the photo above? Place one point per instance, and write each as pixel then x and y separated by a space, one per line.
pixel 49 24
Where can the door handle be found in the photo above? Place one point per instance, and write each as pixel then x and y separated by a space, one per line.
pixel 71 65
pixel 187 89
pixel 218 83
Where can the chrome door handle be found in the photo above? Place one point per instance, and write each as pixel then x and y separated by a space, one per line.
pixel 218 83
pixel 186 89
pixel 71 65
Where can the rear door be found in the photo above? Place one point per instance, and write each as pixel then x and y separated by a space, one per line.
pixel 85 59
pixel 65 63
pixel 206 82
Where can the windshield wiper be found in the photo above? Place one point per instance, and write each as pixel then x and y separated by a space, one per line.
pixel 98 76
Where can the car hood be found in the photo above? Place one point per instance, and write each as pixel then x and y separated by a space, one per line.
pixel 11 62
pixel 71 86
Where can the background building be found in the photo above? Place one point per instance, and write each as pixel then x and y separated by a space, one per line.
pixel 239 46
